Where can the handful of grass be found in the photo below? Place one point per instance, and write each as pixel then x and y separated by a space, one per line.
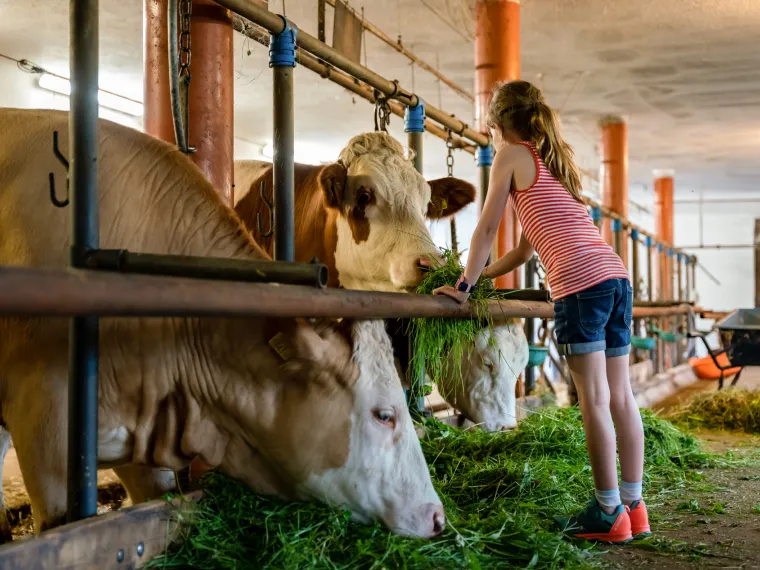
pixel 500 492
pixel 439 342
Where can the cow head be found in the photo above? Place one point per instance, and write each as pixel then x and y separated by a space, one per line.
pixel 338 430
pixel 486 392
pixel 381 203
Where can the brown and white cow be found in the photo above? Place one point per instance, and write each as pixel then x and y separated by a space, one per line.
pixel 300 410
pixel 364 216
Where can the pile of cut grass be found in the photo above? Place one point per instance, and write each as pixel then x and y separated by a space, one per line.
pixel 732 409
pixel 499 490
pixel 439 342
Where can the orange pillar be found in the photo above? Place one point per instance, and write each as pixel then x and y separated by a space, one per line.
pixel 614 173
pixel 497 59
pixel 211 88
pixel 663 224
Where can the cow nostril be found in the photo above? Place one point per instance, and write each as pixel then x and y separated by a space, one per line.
pixel 507 428
pixel 439 520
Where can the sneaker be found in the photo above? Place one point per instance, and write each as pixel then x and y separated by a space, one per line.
pixel 639 519
pixel 592 523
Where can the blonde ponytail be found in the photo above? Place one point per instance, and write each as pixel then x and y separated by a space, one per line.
pixel 520 107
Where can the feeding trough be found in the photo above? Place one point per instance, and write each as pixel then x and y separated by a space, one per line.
pixel 743 328
pixel 643 342
pixel 537 355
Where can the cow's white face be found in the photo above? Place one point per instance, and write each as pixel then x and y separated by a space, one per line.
pixel 486 393
pixel 385 476
pixel 382 204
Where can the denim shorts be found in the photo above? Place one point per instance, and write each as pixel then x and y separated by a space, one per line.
pixel 598 318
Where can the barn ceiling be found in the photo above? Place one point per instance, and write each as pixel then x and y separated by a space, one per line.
pixel 686 74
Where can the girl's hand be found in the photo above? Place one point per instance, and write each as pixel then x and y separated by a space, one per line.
pixel 449 291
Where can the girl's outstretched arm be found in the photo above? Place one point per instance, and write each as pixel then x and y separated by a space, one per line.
pixel 511 260
pixel 499 186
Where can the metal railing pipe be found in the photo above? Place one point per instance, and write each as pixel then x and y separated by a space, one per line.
pixel 82 481
pixel 26 291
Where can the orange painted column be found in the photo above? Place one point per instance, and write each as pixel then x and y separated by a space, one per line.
pixel 210 99
pixel 497 59
pixel 663 224
pixel 157 118
pixel 614 174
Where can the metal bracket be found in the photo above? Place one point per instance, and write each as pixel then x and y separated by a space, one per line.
pixel 51 177
pixel 259 224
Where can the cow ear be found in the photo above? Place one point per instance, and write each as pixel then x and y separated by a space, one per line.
pixel 448 196
pixel 332 182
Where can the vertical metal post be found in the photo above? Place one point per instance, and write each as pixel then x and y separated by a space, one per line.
pixel 596 216
pixel 635 276
pixel 617 239
pixel 650 276
pixel 414 126
pixel 694 275
pixel 83 333
pixel 687 270
pixel 282 60
pixel 679 260
pixel 530 326
pixel 485 160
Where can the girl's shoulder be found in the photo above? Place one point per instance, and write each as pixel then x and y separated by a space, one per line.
pixel 521 160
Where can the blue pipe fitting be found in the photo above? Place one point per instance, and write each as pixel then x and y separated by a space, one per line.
pixel 670 252
pixel 659 248
pixel 617 226
pixel 679 257
pixel 648 241
pixel 635 234
pixel 414 118
pixel 485 155
pixel 282 46
pixel 596 214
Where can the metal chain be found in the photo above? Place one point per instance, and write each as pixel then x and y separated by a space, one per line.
pixel 185 11
pixel 382 113
pixel 450 167
pixel 450 155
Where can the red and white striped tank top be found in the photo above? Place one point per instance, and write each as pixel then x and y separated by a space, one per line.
pixel 561 231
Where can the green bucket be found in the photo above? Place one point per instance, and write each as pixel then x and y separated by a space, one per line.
pixel 644 343
pixel 537 355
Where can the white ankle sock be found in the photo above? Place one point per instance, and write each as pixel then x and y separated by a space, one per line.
pixel 630 492
pixel 609 499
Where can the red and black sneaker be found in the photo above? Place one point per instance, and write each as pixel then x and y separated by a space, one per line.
pixel 592 523
pixel 639 519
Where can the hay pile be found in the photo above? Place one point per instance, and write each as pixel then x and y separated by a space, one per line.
pixel 732 409
pixel 499 490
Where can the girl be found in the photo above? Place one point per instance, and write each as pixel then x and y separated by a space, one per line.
pixel 534 170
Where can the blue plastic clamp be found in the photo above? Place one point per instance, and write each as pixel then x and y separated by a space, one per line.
pixel 414 118
pixel 670 252
pixel 679 257
pixel 485 155
pixel 635 234
pixel 596 214
pixel 659 248
pixel 617 226
pixel 282 46
pixel 648 241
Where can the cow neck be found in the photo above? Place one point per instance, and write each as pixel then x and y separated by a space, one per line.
pixel 316 229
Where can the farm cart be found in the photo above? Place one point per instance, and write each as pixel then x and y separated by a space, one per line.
pixel 740 336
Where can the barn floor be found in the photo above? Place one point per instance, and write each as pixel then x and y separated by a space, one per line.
pixel 716 528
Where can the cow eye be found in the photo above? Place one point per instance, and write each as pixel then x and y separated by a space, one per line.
pixel 385 416
pixel 363 198
pixel 488 364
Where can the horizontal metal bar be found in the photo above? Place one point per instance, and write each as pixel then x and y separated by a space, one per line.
pixel 264 271
pixel 26 291
pixel 399 47
pixel 275 24
pixel 720 246
pixel 260 35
